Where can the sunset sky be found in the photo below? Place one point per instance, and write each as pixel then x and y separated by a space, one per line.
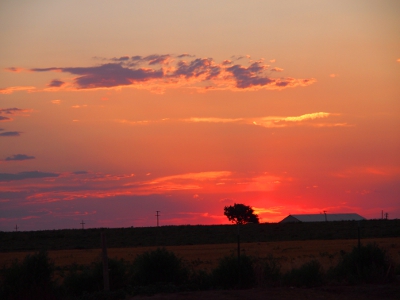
pixel 113 110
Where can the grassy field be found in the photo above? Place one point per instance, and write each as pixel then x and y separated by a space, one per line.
pixel 288 253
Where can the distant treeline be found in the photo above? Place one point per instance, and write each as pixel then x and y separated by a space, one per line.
pixel 194 235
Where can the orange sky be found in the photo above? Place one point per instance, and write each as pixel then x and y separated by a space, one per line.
pixel 112 112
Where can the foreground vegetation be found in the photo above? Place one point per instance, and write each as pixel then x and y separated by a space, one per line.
pixel 194 235
pixel 161 271
pixel 155 263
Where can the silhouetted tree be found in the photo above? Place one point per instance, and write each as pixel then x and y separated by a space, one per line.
pixel 240 214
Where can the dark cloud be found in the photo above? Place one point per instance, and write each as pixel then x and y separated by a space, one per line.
pixel 107 75
pixel 169 69
pixel 249 76
pixel 80 172
pixel 197 67
pixel 11 111
pixel 4 118
pixel 184 55
pixel 26 175
pixel 122 58
pixel 19 157
pixel 157 59
pixel 56 83
pixel 10 133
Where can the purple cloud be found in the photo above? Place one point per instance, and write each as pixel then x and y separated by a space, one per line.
pixel 11 133
pixel 11 111
pixel 250 76
pixel 26 175
pixel 196 68
pixel 107 75
pixel 56 83
pixel 19 157
pixel 4 118
pixel 171 69
pixel 157 59
pixel 122 58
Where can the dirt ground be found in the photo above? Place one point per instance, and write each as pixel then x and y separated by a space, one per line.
pixel 371 292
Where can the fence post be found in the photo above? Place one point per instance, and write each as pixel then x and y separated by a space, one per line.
pixel 105 263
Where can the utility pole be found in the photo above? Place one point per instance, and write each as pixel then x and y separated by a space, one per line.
pixel 83 223
pixel 326 219
pixel 157 215
pixel 16 227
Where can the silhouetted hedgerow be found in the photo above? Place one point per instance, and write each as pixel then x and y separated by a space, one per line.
pixel 234 273
pixel 88 280
pixel 309 274
pixel 30 279
pixel 158 267
pixel 365 264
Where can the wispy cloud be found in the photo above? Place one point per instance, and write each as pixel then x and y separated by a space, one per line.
pixel 158 72
pixel 84 185
pixel 12 112
pixel 12 89
pixel 19 157
pixel 10 133
pixel 3 119
pixel 214 120
pixel 13 69
pixel 26 175
pixel 309 119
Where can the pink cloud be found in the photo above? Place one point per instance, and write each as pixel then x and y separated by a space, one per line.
pixel 12 89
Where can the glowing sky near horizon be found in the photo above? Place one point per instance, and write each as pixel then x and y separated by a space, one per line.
pixel 113 110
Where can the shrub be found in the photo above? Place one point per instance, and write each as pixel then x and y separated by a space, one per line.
pixel 308 275
pixel 90 279
pixel 80 281
pixel 272 271
pixel 31 279
pixel 200 280
pixel 231 273
pixel 158 267
pixel 365 264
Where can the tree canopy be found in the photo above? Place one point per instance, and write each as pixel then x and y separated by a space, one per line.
pixel 240 214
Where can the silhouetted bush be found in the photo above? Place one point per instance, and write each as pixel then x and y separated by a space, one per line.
pixel 232 274
pixel 272 271
pixel 80 281
pixel 30 279
pixel 200 280
pixel 308 275
pixel 89 280
pixel 158 267
pixel 365 264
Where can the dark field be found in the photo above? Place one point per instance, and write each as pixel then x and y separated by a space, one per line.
pixel 194 235
pixel 201 247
